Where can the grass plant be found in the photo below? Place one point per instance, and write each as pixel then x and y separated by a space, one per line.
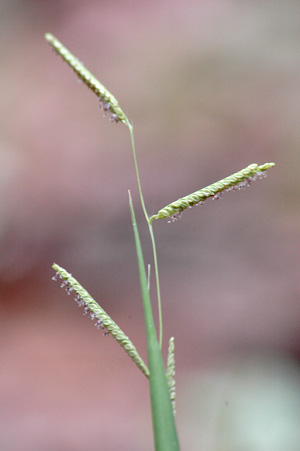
pixel 161 379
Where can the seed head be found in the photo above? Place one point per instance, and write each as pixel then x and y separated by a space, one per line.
pixel 108 102
pixel 170 373
pixel 95 312
pixel 234 182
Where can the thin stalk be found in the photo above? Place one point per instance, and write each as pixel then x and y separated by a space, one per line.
pixel 137 172
pixel 164 428
pixel 149 276
pixel 160 323
pixel 151 235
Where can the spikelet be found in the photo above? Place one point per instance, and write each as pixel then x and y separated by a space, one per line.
pixel 234 182
pixel 103 321
pixel 107 101
pixel 170 373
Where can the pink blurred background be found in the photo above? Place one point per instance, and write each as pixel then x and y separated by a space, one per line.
pixel 210 86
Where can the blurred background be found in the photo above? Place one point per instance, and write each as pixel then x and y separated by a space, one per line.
pixel 211 87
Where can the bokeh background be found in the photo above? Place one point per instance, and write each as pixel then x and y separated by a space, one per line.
pixel 210 86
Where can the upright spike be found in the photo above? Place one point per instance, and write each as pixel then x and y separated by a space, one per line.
pixel 170 373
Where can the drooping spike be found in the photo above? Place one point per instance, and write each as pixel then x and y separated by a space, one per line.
pixel 97 313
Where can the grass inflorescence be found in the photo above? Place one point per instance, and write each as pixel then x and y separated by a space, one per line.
pixel 234 182
pixel 170 373
pixel 108 102
pixel 97 314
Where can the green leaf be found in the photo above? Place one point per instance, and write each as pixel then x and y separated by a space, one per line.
pixel 164 428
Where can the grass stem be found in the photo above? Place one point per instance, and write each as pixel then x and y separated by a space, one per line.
pixel 160 323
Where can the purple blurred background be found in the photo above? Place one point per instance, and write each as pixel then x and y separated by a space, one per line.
pixel 210 86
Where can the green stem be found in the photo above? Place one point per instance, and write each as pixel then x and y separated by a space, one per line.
pixel 157 285
pixel 164 428
pixel 137 172
pixel 151 235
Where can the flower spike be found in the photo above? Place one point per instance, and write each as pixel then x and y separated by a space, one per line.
pixel 170 373
pixel 103 321
pixel 234 182
pixel 107 101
